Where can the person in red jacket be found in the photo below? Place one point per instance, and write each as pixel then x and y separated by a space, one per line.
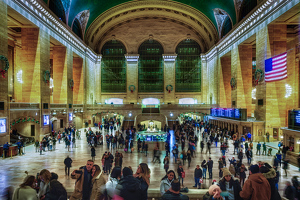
pixel 257 186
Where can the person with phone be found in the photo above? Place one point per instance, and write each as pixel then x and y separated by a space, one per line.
pixel 83 184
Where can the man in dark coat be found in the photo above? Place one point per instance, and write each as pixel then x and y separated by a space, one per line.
pixel 68 164
pixel 197 176
pixel 174 192
pixel 129 188
pixel 290 191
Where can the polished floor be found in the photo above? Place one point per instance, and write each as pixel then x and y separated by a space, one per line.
pixel 12 171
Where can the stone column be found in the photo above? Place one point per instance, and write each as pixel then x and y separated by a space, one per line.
pixel 241 69
pixel 132 77
pixel 204 80
pixel 43 59
pixel 225 76
pixel 271 41
pixel 169 77
pixel 78 76
pixel 98 79
pixel 4 81
pixel 62 74
pixel 27 69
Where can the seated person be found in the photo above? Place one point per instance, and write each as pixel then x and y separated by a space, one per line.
pixel 174 192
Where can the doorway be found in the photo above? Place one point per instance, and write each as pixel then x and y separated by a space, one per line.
pixel 32 130
pixel 275 133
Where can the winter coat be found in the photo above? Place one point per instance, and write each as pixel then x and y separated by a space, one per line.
pixel 144 188
pixel 98 183
pixel 210 164
pixel 256 187
pixel 68 162
pixel 233 183
pixel 77 194
pixel 93 152
pixel 172 196
pixel 165 184
pixel 129 188
pixel 271 177
pixel 26 193
pixel 198 173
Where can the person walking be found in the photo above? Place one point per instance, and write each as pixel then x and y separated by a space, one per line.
pixel 249 155
pixel 68 164
pixel 37 146
pixel 208 144
pixel 93 153
pixel 210 166
pixel 202 146
pixel 204 168
pixel 197 177
pixel 166 163
pixel 242 174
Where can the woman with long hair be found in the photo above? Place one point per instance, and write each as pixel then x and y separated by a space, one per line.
pixel 242 174
pixel 143 175
pixel 45 177
pixel 204 168
pixel 25 190
pixel 230 186
pixel 113 181
pixel 98 181
pixel 166 181
pixel 56 192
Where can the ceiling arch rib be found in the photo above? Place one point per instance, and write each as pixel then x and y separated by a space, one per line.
pixel 132 37
pixel 67 6
pixel 83 18
pixel 221 16
pixel 175 10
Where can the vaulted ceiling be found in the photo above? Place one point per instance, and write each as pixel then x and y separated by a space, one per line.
pixel 97 7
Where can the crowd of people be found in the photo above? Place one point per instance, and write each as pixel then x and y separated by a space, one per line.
pixel 92 182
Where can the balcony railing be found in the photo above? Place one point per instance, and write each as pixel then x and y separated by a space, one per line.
pixel 58 106
pixel 24 106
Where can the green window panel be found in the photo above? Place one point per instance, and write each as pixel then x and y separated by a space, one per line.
pixel 188 67
pixel 226 27
pixel 113 67
pixel 76 28
pixel 151 67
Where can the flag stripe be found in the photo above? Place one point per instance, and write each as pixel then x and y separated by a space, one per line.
pixel 276 68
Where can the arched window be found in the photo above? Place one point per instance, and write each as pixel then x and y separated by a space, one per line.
pixel 246 7
pixel 57 8
pixel 113 67
pixel 76 28
pixel 188 67
pixel 227 26
pixel 151 71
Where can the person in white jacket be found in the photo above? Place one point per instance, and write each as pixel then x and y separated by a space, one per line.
pixel 113 181
pixel 26 191
pixel 166 181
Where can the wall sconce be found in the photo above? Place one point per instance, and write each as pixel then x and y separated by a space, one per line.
pixel 281 136
pixel 171 114
pixel 298 142
pixel 129 114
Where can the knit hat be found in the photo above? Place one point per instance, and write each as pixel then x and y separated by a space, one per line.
pixel 127 171
pixel 212 188
pixel 254 169
pixel 226 172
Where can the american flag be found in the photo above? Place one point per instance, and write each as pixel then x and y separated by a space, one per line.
pixel 276 68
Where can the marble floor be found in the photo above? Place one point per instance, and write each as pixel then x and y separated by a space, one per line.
pixel 12 171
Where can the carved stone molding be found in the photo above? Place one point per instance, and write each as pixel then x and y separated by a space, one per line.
pixel 169 57
pixel 83 18
pixel 221 16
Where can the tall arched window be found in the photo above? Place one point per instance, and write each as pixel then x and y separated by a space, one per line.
pixel 151 67
pixel 113 67
pixel 188 67
pixel 246 7
pixel 76 28
pixel 227 26
pixel 57 8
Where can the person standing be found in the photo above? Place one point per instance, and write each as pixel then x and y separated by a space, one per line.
pixel 268 136
pixel 68 164
pixel 83 185
pixel 256 186
pixel 258 148
pixel 210 166
pixel 249 155
pixel 204 168
pixel 181 174
pixel 285 166
pixel 208 144
pixel 264 149
pixel 202 146
pixel 242 174
pixel 37 145
pixel 166 163
pixel 197 176
pixel 93 153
